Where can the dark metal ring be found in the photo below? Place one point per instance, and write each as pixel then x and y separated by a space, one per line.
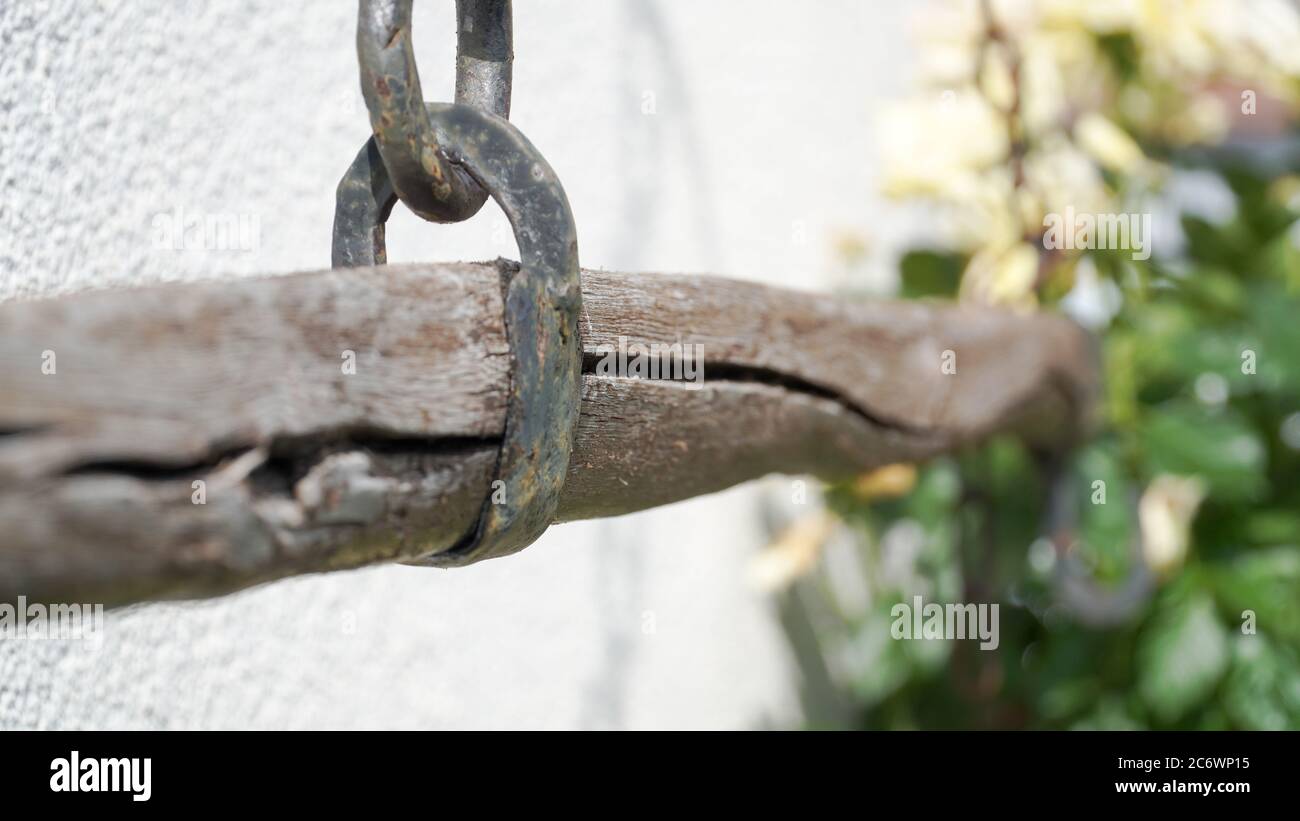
pixel 1077 590
pixel 542 304
pixel 412 148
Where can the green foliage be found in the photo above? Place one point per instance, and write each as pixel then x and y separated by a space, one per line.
pixel 1217 445
pixel 1182 653
pixel 1202 366
pixel 929 273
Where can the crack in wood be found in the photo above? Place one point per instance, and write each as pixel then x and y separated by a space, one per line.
pixel 308 468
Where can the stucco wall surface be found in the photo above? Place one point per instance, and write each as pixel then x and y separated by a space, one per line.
pixel 729 137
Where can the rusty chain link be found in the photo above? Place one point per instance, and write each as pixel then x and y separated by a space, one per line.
pixel 469 153
pixel 408 141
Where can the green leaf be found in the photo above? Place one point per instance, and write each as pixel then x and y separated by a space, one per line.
pixel 1213 290
pixel 1220 447
pixel 1064 672
pixel 1122 51
pixel 1181 656
pixel 930 273
pixel 1259 212
pixel 1273 315
pixel 1223 245
pixel 938 487
pixel 1105 517
pixel 1255 694
pixel 1278 261
pixel 1267 583
pixel 1272 527
pixel 1109 714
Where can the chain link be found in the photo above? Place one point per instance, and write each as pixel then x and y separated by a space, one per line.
pixel 405 137
pixel 448 158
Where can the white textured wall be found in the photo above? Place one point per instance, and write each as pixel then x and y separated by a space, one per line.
pixel 757 153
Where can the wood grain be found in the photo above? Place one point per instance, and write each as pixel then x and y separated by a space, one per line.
pixel 240 385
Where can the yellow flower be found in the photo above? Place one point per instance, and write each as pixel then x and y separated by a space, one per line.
pixel 1202 120
pixel 996 82
pixel 888 482
pixel 1165 515
pixel 793 553
pixel 1064 177
pixel 1108 144
pixel 1100 16
pixel 1005 277
pixel 920 151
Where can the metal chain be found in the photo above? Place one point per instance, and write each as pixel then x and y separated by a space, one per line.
pixel 408 141
pixel 542 300
pixel 1078 590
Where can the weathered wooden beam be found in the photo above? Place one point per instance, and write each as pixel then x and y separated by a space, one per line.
pixel 114 404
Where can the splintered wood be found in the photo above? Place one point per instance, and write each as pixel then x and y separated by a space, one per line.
pixel 192 439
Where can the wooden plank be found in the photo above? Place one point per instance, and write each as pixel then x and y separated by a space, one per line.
pixel 241 385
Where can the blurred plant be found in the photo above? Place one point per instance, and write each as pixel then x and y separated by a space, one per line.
pixel 1174 600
